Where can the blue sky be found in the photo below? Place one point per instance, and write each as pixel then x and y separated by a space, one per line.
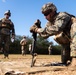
pixel 25 12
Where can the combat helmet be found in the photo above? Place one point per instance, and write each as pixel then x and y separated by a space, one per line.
pixel 48 7
pixel 8 12
pixel 24 36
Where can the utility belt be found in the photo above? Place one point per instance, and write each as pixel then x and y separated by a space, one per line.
pixel 5 30
pixel 62 38
pixel 23 44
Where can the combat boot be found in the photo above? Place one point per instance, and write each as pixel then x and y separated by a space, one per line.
pixel 65 55
pixel 73 63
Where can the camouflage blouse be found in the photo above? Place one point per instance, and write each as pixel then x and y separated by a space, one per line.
pixel 60 23
pixel 6 26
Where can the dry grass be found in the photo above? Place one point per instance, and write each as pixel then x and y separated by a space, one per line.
pixel 19 56
pixel 22 63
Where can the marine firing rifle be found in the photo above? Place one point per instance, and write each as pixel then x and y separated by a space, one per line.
pixel 33 51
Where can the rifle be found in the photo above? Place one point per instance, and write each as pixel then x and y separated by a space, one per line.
pixel 33 51
pixel 34 35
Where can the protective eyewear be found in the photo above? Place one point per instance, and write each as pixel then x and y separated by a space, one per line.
pixel 7 14
pixel 47 13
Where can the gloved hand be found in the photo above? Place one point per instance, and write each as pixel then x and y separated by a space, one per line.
pixel 36 25
pixel 33 28
pixel 13 38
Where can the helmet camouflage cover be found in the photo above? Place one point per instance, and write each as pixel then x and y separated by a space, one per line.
pixel 48 6
pixel 8 12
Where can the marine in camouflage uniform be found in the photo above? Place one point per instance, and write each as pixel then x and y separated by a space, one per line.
pixel 23 45
pixel 50 49
pixel 62 26
pixel 6 29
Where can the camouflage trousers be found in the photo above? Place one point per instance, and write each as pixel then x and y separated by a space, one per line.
pixel 73 40
pixel 23 49
pixel 4 43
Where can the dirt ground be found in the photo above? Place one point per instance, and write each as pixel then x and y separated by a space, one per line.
pixel 20 65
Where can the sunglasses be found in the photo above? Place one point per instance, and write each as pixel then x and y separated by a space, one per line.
pixel 47 13
pixel 7 14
